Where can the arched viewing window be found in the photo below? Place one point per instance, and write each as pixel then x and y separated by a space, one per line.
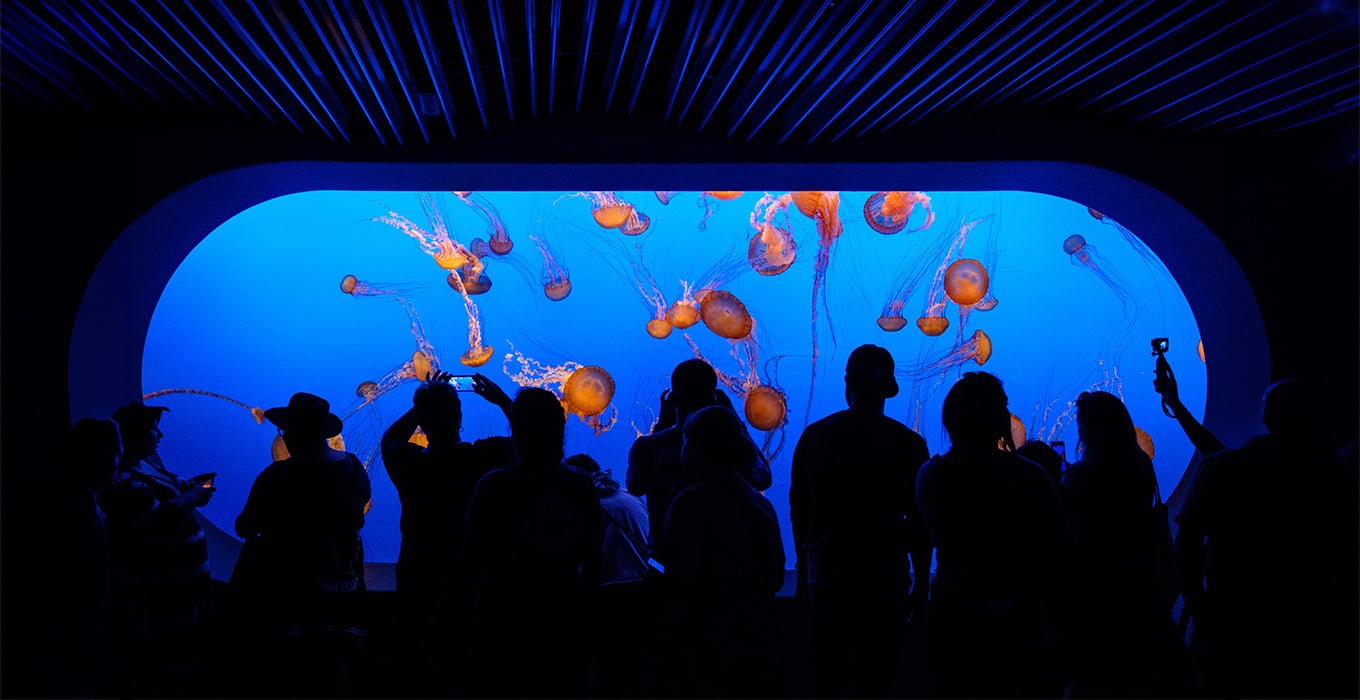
pixel 351 280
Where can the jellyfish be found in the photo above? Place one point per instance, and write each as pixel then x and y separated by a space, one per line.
pixel 500 238
pixel 978 349
pixel 585 391
pixel 555 279
pixel 1145 442
pixel 255 412
pixel 772 248
pixel 478 353
pixel 965 281
pixel 480 284
pixel 988 260
pixel 439 243
pixel 665 197
pixel 1085 255
pixel 1018 436
pixel 1199 348
pixel 909 275
pixel 355 287
pixel 480 248
pixel 636 225
pixel 649 292
pixel 932 321
pixel 887 212
pixel 824 209
pixel 763 404
pixel 1149 258
pixel 608 210
pixel 725 315
pixel 683 312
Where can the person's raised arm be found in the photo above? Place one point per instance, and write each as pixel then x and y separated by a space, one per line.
pixel 1165 384
pixel 492 392
pixel 399 433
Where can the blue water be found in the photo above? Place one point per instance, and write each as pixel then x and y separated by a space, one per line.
pixel 256 313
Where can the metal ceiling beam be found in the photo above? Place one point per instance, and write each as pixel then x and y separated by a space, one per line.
pixel 387 36
pixel 501 36
pixel 464 32
pixel 429 54
pixel 717 36
pixel 169 66
pixel 260 53
pixel 1256 86
pixel 623 33
pixel 768 68
pixel 746 43
pixel 1009 88
pixel 644 59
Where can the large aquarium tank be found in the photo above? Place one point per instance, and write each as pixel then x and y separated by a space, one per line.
pixel 596 296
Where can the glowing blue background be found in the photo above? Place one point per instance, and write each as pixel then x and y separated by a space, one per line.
pixel 255 313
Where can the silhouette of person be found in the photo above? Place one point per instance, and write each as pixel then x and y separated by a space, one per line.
pixel 533 547
pixel 162 588
pixel 724 564
pixel 435 485
pixel 1165 384
pixel 1043 454
pixel 1126 642
pixel 1267 548
pixel 301 567
pixel 624 591
pixel 654 469
pixel 852 500
pixel 1003 551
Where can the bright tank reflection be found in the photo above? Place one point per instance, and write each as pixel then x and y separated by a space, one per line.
pixel 597 334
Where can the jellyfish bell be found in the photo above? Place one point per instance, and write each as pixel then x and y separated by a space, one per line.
pixel 423 365
pixel 725 315
pixel 987 303
pixel 765 408
pixel 772 250
pixel 476 357
pixel 451 258
pixel 419 438
pixel 500 243
pixel 636 225
pixel 1145 442
pixel 588 391
pixel 612 214
pixel 682 314
pixel 887 212
pixel 1095 214
pixel 984 347
pixel 349 283
pixel 558 290
pixel 480 247
pixel 966 281
pixel 1074 243
pixel 1018 436
pixel 932 325
pixel 472 284
pixel 664 197
pixel 724 196
pixel 892 324
pixel 659 328
pixel 807 202
pixel 367 390
pixel 1200 349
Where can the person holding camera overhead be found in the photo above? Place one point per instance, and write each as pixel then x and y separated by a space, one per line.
pixel 434 484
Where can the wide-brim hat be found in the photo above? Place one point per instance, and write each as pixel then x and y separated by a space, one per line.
pixel 871 367
pixel 306 413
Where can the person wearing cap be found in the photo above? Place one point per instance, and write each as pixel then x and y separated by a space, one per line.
pixel 301 526
pixel 1003 552
pixel 857 532
pixel 161 585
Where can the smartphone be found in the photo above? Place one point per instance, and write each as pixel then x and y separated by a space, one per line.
pixel 462 382
pixel 1061 448
pixel 1159 345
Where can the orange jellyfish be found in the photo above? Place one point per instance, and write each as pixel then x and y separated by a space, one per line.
pixel 823 207
pixel 665 197
pixel 763 404
pixel 932 321
pixel 708 202
pixel 255 412
pixel 909 275
pixel 1145 442
pixel 478 353
pixel 1199 348
pixel 965 281
pixel 977 349
pixel 556 280
pixel 608 210
pixel 587 391
pixel 644 286
pixel 636 225
pixel 683 312
pixel 725 315
pixel 500 238
pixel 475 284
pixel 439 243
pixel 772 248
pixel 479 248
pixel 1085 255
pixel 1018 436
pixel 888 212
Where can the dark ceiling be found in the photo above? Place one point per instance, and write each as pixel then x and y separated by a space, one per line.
pixel 407 73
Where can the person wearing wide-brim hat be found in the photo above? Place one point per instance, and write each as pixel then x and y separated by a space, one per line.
pixel 301 527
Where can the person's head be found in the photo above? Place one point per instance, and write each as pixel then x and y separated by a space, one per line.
pixel 1293 406
pixel 93 451
pixel 439 410
pixel 604 480
pixel 538 424
pixel 306 423
pixel 693 385
pixel 139 425
pixel 715 442
pixel 1104 425
pixel 1042 454
pixel 869 375
pixel 975 412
